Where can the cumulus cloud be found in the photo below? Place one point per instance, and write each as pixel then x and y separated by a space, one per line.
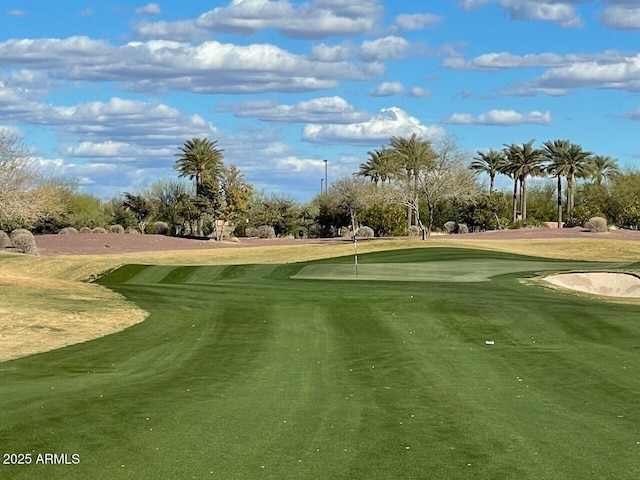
pixel 375 131
pixel 177 31
pixel 387 89
pixel 331 53
pixel 159 65
pixel 418 92
pixel 504 60
pixel 501 118
pixel 125 131
pixel 386 48
pixel 149 9
pixel 417 21
pixel 319 110
pixel 562 12
pixel 622 16
pixel 564 73
pixel 619 74
pixel 120 121
pixel 309 20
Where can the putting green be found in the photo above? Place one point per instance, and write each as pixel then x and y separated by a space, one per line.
pixel 474 270
pixel 255 372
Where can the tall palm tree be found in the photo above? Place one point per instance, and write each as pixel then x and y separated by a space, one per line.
pixel 522 162
pixel 577 166
pixel 555 153
pixel 379 166
pixel 603 168
pixel 490 162
pixel 201 160
pixel 410 156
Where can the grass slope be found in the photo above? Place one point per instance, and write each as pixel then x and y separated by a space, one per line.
pixel 244 372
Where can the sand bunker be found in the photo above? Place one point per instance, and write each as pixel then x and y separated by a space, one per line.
pixel 606 284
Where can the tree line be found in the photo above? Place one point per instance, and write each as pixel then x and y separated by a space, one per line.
pixel 408 186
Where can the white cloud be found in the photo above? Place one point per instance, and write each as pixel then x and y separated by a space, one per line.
pixel 318 19
pixel 387 89
pixel 609 69
pixel 418 21
pixel 331 53
pixel 386 48
pixel 120 130
pixel 418 92
pixel 17 13
pixel 501 118
pixel 504 60
pixel 158 65
pixel 378 129
pixel 562 12
pixel 319 110
pixel 297 165
pixel 114 124
pixel 177 31
pixel 622 17
pixel 633 115
pixel 149 9
pixel 619 74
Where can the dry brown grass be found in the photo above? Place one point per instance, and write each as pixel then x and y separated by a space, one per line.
pixel 38 315
pixel 45 304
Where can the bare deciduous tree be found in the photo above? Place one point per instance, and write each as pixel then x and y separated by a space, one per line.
pixel 25 197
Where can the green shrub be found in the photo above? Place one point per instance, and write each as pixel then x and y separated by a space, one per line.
pixel 68 231
pixel 133 231
pixel 98 230
pixel 116 229
pixel 579 216
pixel 597 225
pixel 85 230
pixel 365 232
pixel 160 228
pixel 5 241
pixel 23 241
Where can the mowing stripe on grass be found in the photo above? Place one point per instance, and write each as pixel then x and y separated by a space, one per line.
pixel 247 373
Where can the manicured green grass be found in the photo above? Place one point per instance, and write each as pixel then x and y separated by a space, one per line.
pixel 253 372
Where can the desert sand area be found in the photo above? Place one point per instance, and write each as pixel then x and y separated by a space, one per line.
pixel 47 301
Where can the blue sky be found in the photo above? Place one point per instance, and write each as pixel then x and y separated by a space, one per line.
pixel 106 92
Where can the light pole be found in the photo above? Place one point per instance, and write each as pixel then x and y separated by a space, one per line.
pixel 325 175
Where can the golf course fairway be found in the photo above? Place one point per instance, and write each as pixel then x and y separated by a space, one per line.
pixel 437 363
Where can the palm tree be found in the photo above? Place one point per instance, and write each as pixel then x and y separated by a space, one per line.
pixel 490 163
pixel 201 160
pixel 379 166
pixel 411 155
pixel 555 153
pixel 603 168
pixel 577 163
pixel 522 162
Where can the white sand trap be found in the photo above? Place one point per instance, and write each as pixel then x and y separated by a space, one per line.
pixel 606 284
